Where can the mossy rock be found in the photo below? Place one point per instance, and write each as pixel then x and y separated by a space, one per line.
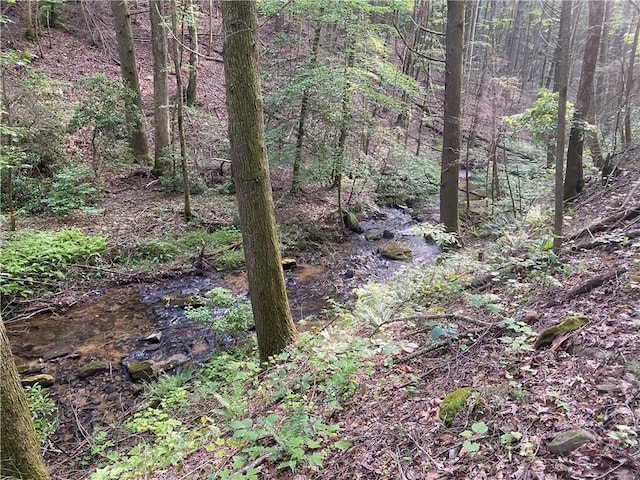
pixel 144 370
pixel 351 221
pixel 289 263
pixel 187 301
pixel 92 368
pixel 568 324
pixel 453 403
pixel 43 379
pixel 396 251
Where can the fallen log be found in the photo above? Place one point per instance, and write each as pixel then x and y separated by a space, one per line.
pixel 605 224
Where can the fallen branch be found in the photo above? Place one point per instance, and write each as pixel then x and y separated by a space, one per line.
pixel 607 241
pixel 588 285
pixel 605 224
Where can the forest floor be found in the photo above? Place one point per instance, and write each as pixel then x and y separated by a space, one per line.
pixel 588 379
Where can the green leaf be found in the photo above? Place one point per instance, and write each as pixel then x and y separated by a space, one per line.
pixel 238 424
pixel 343 445
pixel 480 428
pixel 470 446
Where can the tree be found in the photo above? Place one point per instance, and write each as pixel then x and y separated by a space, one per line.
pixel 177 62
pixel 20 455
pixel 629 82
pixel 574 179
pixel 451 142
pixel 562 78
pixel 129 69
pixel 274 325
pixel 161 164
pixel 192 24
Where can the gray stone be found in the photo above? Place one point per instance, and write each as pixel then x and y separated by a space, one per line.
pixel 172 362
pixel 57 352
pixel 373 234
pixel 569 441
pixel 396 251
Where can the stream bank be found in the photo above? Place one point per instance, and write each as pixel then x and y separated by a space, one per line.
pixel 90 353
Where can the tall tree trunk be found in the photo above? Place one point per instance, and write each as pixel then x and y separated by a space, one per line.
pixel 562 78
pixel 129 70
pixel 451 142
pixel 162 164
pixel 177 63
pixel 274 325
pixel 304 111
pixel 29 27
pixel 193 56
pixel 20 455
pixel 629 83
pixel 516 36
pixel 574 180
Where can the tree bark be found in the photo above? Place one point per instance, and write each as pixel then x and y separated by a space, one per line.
pixel 193 56
pixel 629 83
pixel 574 179
pixel 129 70
pixel 304 111
pixel 177 63
pixel 162 165
pixel 274 325
pixel 20 455
pixel 451 143
pixel 562 79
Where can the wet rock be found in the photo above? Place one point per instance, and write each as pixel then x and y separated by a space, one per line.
pixel 186 301
pixel 57 352
pixel 569 441
pixel 92 368
pixel 373 234
pixel 349 274
pixel 43 379
pixel 154 337
pixel 29 369
pixel 172 362
pixel 289 263
pixel 568 324
pixel 144 370
pixel 396 251
pixel 388 235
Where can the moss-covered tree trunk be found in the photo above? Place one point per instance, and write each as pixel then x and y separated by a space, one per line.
pixel 161 163
pixel 274 325
pixel 20 455
pixel 129 70
pixel 574 178
pixel 452 136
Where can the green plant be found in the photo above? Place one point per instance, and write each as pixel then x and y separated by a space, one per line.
pixel 439 235
pixel 625 434
pixel 31 259
pixel 43 412
pixel 469 445
pixel 173 182
pixel 70 190
pixel 521 342
pixel 224 313
pixel 106 115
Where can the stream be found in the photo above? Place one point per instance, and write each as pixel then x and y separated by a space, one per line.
pixel 137 323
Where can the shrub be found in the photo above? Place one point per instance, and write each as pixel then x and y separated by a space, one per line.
pixel 29 259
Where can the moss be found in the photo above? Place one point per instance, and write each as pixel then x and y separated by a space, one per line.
pixel 453 403
pixel 568 324
pixel 396 251
pixel 92 368
pixel 43 379
pixel 144 370
pixel 351 221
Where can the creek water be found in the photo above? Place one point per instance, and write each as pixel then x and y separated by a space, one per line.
pixel 137 323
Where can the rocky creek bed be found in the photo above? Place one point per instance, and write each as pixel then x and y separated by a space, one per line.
pixel 94 357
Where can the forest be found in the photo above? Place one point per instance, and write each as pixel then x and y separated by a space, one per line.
pixel 319 239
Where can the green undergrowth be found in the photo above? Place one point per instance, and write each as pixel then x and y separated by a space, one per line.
pixel 33 262
pixel 221 249
pixel 236 413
